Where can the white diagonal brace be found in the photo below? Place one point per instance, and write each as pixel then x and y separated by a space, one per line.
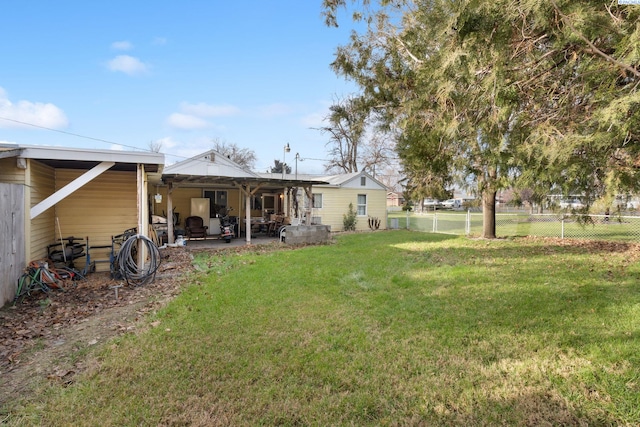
pixel 68 189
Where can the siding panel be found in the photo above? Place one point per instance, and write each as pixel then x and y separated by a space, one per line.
pixel 43 226
pixel 103 208
pixel 335 204
pixel 10 173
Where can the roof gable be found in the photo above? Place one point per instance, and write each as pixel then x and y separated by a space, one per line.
pixel 210 163
pixel 353 180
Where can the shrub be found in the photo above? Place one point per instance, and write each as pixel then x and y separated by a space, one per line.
pixel 350 219
pixel 374 223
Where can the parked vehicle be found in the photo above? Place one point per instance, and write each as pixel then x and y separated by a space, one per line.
pixel 571 204
pixel 431 203
pixel 452 204
pixel 226 228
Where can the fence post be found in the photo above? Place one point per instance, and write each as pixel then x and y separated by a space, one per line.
pixel 408 219
pixel 467 227
pixel 562 228
pixel 435 222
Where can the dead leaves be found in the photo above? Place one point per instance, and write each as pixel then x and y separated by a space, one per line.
pixel 631 250
pixel 32 331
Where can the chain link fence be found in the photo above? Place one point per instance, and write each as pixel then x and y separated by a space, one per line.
pixel 597 227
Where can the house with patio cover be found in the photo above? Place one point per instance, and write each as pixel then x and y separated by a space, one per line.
pixel 211 185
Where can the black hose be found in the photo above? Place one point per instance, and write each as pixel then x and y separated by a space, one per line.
pixel 128 264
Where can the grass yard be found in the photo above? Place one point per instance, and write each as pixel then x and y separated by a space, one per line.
pixel 384 328
pixel 617 228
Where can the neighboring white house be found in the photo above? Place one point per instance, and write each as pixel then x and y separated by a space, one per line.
pixel 331 200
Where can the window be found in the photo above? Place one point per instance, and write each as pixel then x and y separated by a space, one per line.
pixel 317 200
pixel 256 203
pixel 363 181
pixel 362 204
pixel 217 202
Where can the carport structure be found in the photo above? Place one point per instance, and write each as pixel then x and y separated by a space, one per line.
pixel 55 192
pixel 209 173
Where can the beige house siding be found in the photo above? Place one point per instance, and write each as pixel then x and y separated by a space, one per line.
pixel 10 173
pixel 181 198
pixel 39 184
pixel 43 226
pixel 335 204
pixel 103 208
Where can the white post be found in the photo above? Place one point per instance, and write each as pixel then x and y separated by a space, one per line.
pixel 247 215
pixel 468 225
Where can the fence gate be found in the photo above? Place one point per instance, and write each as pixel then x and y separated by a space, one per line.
pixel 11 239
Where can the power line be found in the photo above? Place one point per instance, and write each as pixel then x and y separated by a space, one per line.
pixel 91 138
pixel 118 143
pixel 71 133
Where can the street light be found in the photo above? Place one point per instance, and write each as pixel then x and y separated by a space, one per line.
pixel 287 149
pixel 298 158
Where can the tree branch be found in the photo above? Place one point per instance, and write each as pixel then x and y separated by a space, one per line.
pixel 609 58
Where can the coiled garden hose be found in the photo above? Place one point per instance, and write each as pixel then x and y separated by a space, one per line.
pixel 128 263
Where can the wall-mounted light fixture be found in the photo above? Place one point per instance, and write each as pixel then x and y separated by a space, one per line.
pixel 158 196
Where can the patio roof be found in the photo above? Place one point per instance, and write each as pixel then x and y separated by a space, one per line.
pixel 212 168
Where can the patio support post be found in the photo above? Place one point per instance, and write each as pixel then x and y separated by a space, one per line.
pixel 143 216
pixel 170 231
pixel 248 194
pixel 309 204
pixel 247 215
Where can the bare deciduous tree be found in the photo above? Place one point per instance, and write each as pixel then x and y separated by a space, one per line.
pixel 242 156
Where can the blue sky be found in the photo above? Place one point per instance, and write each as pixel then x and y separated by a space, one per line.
pixel 254 73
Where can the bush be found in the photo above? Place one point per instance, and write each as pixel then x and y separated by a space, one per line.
pixel 350 219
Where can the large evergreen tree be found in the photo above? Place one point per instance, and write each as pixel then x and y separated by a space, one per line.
pixel 488 91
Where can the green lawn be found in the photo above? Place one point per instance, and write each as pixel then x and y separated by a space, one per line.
pixel 385 328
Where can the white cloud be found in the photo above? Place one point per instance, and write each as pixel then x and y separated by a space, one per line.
pixel 167 143
pixel 24 113
pixel 274 110
pixel 193 116
pixel 187 149
pixel 314 120
pixel 186 121
pixel 116 147
pixel 128 65
pixel 206 110
pixel 122 45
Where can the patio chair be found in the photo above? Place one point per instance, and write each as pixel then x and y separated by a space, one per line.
pixel 275 225
pixel 194 226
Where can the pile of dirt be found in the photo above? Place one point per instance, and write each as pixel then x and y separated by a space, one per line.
pixel 39 334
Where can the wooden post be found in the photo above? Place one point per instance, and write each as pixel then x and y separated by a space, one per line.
pixel 170 231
